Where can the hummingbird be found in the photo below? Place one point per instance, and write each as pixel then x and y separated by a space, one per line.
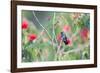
pixel 64 38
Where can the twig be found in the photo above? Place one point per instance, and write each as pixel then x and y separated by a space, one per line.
pixel 42 25
pixel 58 53
pixel 44 28
pixel 78 49
pixel 53 26
pixel 58 49
pixel 64 19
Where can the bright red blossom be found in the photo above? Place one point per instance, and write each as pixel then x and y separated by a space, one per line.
pixel 84 33
pixel 24 24
pixel 66 28
pixel 32 37
pixel 68 41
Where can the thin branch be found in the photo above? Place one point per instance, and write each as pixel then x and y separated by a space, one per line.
pixel 64 18
pixel 54 27
pixel 78 49
pixel 58 49
pixel 41 25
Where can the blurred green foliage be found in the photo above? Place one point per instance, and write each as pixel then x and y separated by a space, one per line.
pixel 47 45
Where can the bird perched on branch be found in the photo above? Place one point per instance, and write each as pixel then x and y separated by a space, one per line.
pixel 64 38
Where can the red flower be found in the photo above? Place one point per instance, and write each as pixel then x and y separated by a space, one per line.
pixel 31 37
pixel 84 33
pixel 68 41
pixel 24 24
pixel 66 28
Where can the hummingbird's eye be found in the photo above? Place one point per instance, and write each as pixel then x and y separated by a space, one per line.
pixel 62 32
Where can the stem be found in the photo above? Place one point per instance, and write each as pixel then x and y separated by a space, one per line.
pixel 54 27
pixel 58 53
pixel 64 18
pixel 78 49
pixel 41 25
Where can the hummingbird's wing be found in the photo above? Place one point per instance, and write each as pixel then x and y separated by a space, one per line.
pixel 64 38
